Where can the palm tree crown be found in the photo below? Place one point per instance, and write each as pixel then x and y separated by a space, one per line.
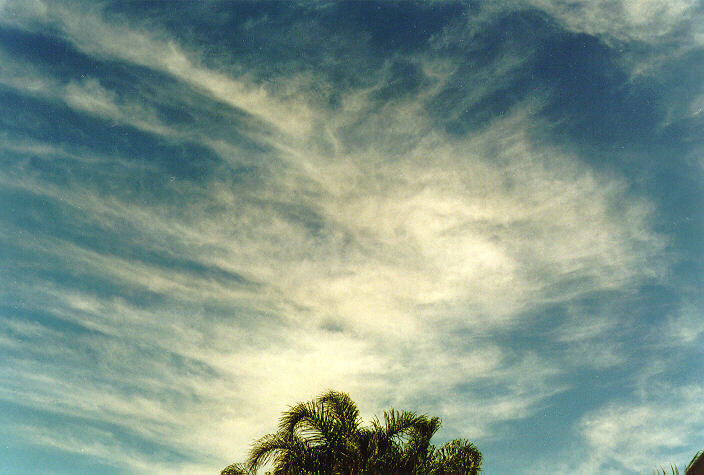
pixel 325 436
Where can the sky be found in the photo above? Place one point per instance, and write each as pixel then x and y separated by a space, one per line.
pixel 489 212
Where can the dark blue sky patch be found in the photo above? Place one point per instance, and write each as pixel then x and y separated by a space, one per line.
pixel 47 52
pixel 679 189
pixel 592 100
pixel 394 26
pixel 405 78
pixel 162 158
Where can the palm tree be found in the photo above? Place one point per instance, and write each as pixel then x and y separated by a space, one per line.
pixel 325 436
pixel 320 436
pixel 457 456
pixel 399 444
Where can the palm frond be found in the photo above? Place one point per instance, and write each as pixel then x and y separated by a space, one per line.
pixel 397 423
pixel 696 464
pixel 343 408
pixel 272 446
pixel 417 452
pixel 426 429
pixel 458 456
pixel 673 470
pixel 310 419
pixel 236 469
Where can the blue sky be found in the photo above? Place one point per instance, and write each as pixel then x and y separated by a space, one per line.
pixel 485 211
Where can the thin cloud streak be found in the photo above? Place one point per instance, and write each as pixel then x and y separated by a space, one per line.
pixel 90 33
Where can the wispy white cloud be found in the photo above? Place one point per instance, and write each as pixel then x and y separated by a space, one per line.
pixel 93 34
pixel 103 445
pixel 390 266
pixel 370 241
pixel 642 20
pixel 684 327
pixel 87 96
pixel 639 436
